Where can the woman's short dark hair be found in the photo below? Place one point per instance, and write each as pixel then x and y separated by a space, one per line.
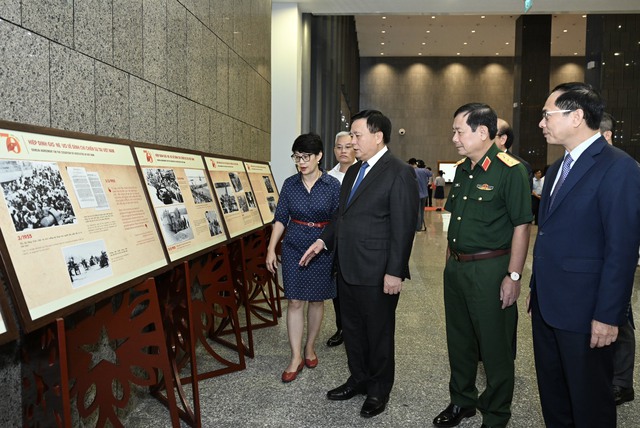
pixel 308 143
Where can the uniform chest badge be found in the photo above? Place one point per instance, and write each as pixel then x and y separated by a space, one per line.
pixel 484 187
pixel 456 184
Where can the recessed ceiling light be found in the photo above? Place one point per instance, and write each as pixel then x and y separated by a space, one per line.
pixel 473 31
pixel 381 53
pixel 575 53
pixel 382 43
pixel 584 16
pixel 383 31
pixel 419 53
pixel 384 17
pixel 616 54
pixel 482 16
pixel 433 17
pixel 464 43
pixel 457 53
pixel 506 43
pixel 564 31
pixel 424 43
pixel 619 26
pixel 428 31
pixel 497 53
pixel 626 64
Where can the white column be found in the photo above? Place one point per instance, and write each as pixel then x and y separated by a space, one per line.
pixel 286 86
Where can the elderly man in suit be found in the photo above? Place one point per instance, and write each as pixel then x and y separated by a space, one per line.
pixel 583 262
pixel 371 235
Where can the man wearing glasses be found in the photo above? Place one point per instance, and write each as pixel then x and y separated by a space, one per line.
pixel 583 261
pixel 371 235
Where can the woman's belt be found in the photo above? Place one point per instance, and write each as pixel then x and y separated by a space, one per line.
pixel 481 255
pixel 310 223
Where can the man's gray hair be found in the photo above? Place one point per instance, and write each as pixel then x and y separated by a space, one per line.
pixel 341 134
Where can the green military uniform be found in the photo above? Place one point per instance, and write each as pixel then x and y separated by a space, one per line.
pixel 486 204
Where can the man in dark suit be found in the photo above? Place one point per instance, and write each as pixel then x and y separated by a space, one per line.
pixel 371 236
pixel 583 262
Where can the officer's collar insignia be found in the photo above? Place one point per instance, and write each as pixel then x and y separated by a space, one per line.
pixel 460 161
pixel 486 163
pixel 484 187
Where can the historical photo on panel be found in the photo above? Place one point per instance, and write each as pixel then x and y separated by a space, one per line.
pixel 35 194
pixel 250 200
pixel 215 228
pixel 163 186
pixel 235 180
pixel 199 186
pixel 175 224
pixel 242 202
pixel 267 183
pixel 87 262
pixel 228 201
pixel 272 204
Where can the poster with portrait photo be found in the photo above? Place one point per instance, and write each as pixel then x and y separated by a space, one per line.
pixel 179 188
pixel 62 194
pixel 264 192
pixel 230 181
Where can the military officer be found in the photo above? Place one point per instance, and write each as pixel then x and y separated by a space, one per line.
pixel 488 239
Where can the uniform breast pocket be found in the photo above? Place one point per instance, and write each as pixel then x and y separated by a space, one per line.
pixel 484 201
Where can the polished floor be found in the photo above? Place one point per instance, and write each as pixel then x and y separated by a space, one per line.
pixel 256 397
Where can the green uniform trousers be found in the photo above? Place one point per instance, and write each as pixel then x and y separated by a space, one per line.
pixel 479 329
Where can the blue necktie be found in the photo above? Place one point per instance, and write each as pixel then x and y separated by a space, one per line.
pixel 566 167
pixel 363 167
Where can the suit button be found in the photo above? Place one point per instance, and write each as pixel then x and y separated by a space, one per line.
pixel 540 233
pixel 459 218
pixel 465 198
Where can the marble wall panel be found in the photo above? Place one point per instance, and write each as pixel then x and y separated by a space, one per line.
pixel 24 76
pixel 195 70
pixel 186 124
pixel 93 29
pixel 210 73
pixel 127 36
pixel 52 19
pixel 227 129
pixel 202 128
pixel 72 77
pixel 166 117
pixel 216 132
pixel 112 101
pixel 142 110
pixel 222 76
pixel 154 39
pixel 178 65
pixel 221 14
pixel 10 10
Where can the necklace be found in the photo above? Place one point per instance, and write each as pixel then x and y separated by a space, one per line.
pixel 309 186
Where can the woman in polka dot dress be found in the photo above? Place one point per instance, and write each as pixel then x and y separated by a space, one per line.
pixel 307 202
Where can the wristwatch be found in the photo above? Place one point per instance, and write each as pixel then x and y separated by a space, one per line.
pixel 515 276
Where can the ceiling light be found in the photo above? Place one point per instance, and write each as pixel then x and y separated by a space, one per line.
pixel 457 53
pixel 381 53
pixel 497 53
pixel 564 31
pixel 473 31
pixel 506 43
pixel 383 31
pixel 433 17
pixel 424 43
pixel 464 43
pixel 382 43
pixel 584 16
pixel 482 16
pixel 626 64
pixel 428 31
pixel 616 54
pixel 384 17
pixel 575 53
pixel 619 26
pixel 419 53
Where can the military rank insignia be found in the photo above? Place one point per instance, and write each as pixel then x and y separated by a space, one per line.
pixel 508 160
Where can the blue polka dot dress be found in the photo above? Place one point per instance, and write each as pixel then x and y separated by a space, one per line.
pixel 312 282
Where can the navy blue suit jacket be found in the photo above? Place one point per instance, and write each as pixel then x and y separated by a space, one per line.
pixel 586 250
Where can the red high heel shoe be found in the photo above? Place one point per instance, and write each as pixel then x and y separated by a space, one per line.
pixel 291 376
pixel 312 364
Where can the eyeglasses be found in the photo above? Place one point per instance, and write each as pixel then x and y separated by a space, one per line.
pixel 345 147
pixel 303 157
pixel 547 114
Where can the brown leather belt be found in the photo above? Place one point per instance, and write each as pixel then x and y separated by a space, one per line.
pixel 481 255
pixel 310 223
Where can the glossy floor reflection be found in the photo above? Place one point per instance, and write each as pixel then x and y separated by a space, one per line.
pixel 256 397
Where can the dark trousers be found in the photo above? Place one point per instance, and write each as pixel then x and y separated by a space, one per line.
pixel 336 308
pixel 429 196
pixel 535 207
pixel 574 380
pixel 624 352
pixel 368 328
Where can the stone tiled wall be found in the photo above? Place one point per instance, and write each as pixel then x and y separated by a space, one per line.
pixel 180 73
pixel 421 95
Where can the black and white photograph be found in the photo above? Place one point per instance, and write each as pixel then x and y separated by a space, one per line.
pixel 272 204
pixel 228 201
pixel 250 200
pixel 242 202
pixel 175 224
pixel 163 186
pixel 267 183
pixel 199 186
pixel 215 228
pixel 235 180
pixel 87 263
pixel 35 195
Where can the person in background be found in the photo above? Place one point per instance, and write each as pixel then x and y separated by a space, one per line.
pixel 624 348
pixel 346 156
pixel 307 202
pixel 584 260
pixel 429 187
pixel 504 140
pixel 488 240
pixel 536 191
pixel 439 184
pixel 372 237
pixel 423 184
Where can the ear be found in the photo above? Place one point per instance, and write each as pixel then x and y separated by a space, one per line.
pixel 379 137
pixel 578 117
pixel 319 156
pixel 484 132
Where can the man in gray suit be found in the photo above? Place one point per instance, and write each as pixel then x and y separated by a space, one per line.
pixel 371 235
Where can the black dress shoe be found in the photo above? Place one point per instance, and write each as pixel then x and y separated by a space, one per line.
pixel 343 392
pixel 336 339
pixel 453 415
pixel 373 406
pixel 622 395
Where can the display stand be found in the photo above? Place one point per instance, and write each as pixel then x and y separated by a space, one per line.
pixel 120 344
pixel 255 285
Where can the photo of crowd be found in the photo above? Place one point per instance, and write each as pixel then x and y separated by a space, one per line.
pixel 175 224
pixel 214 223
pixel 228 201
pixel 87 263
pixel 199 186
pixel 163 186
pixel 35 195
